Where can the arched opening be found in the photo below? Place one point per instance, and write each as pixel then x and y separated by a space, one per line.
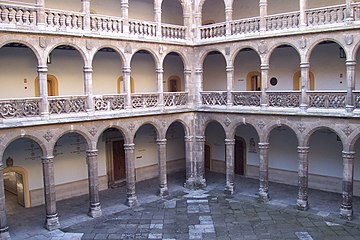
pixel 111 157
pixel 143 71
pixel 107 67
pixel 172 12
pixel 214 72
pixel 15 83
pixel 213 11
pixel 247 73
pixel 173 73
pixel 52 86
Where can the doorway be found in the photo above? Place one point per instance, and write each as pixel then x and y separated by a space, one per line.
pixel 174 84
pixel 118 162
pixel 253 82
pixel 240 150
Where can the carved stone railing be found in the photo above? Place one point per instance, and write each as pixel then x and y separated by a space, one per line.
pixel 247 99
pixel 213 30
pixel 19 108
pixel 146 100
pixel 327 15
pixel 214 98
pixel 332 100
pixel 174 99
pixel 284 99
pixel 72 104
pixel 173 31
pixel 356 10
pixel 63 20
pixel 357 99
pixel 24 14
pixel 142 28
pixel 243 26
pixel 283 21
pixel 107 24
pixel 109 102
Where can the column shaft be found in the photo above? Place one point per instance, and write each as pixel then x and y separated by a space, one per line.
pixel 349 11
pixel 230 83
pixel 86 11
pixel 88 88
pixel 189 164
pixel 228 16
pixel 162 167
pixel 4 229
pixel 93 176
pixel 264 84
pixel 264 172
pixel 350 78
pixel 263 13
pixel 130 174
pixel 346 209
pixel 188 87
pixel 304 84
pixel 43 91
pixel 199 161
pixel 303 18
pixel 160 86
pixel 199 85
pixel 302 198
pixel 230 156
pixel 127 86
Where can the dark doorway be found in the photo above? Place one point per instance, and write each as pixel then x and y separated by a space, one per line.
pixel 118 160
pixel 207 157
pixel 240 149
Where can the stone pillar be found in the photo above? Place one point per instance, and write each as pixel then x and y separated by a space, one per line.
pixel 230 155
pixel 93 176
pixel 188 87
pixel 264 84
pixel 125 15
pixel 4 228
pixel 162 167
pixel 52 220
pixel 130 174
pixel 43 91
pixel 303 18
pixel 40 14
pixel 230 83
pixel 199 85
pixel 197 25
pixel 228 16
pixel 302 198
pixel 86 11
pixel 160 86
pixel 88 88
pixel 157 18
pixel 349 11
pixel 189 164
pixel 263 13
pixel 127 86
pixel 346 209
pixel 188 25
pixel 264 172
pixel 304 84
pixel 350 78
pixel 199 163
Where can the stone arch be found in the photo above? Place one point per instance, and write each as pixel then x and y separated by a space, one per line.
pixel 34 50
pixel 116 49
pixel 184 125
pixel 279 44
pixel 156 127
pixel 118 128
pixel 82 53
pixel 182 3
pixel 232 131
pixel 267 131
pixel 313 45
pixel 152 54
pixel 237 51
pixel 184 59
pixel 310 132
pixel 13 138
pixel 211 120
pixel 77 131
pixel 205 53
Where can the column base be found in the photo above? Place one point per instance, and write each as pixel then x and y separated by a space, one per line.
pixel 4 233
pixel 131 201
pixel 163 191
pixel 349 108
pixel 303 107
pixel 346 212
pixel 229 189
pixel 264 196
pixel 52 222
pixel 302 205
pixel 95 210
pixel 193 183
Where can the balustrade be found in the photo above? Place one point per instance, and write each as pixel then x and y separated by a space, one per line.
pixel 214 98
pixel 247 99
pixel 147 100
pixel 142 28
pixel 213 30
pixel 108 24
pixel 283 21
pixel 173 31
pixel 333 100
pixel 18 14
pixel 175 99
pixel 327 15
pixel 109 102
pixel 243 26
pixel 357 99
pixel 72 104
pixel 61 20
pixel 284 99
pixel 20 108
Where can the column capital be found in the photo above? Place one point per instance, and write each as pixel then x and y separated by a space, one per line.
pixel 348 155
pixel 264 66
pixel 303 150
pixel 92 153
pixel 188 138
pixel 160 70
pixel 229 141
pixel 229 68
pixel 263 146
pixel 304 65
pixel 48 159
pixel 161 141
pixel 350 62
pixel 263 3
pixel 126 69
pixel 200 138
pixel 130 146
pixel 42 69
pixel 88 69
pixel 187 71
pixel 198 70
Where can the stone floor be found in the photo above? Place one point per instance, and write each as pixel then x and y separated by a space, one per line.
pixel 184 214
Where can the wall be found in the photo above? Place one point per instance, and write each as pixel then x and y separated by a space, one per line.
pixel 141 9
pixel 213 10
pixel 215 138
pixel 214 74
pixel 143 71
pixel 172 12
pixel 245 9
pixel 245 62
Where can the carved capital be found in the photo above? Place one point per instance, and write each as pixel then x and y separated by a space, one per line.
pixel 161 141
pixel 229 141
pixel 188 138
pixel 264 146
pixel 129 147
pixel 92 153
pixel 348 155
pixel 200 138
pixel 303 150
pixel 47 160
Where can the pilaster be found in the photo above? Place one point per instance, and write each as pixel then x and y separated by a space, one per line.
pixel 161 143
pixel 125 15
pixel 93 176
pixel 40 14
pixel 160 86
pixel 130 174
pixel 302 198
pixel 264 172
pixel 303 18
pixel 199 85
pixel 86 11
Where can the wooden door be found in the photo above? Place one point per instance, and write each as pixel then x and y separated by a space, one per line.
pixel 207 157
pixel 118 160
pixel 239 156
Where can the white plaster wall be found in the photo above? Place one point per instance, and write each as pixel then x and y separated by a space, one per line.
pixel 172 12
pixel 173 65
pixel 245 9
pixel 248 132
pixel 69 5
pixel 108 7
pixel 175 145
pixel 16 65
pixel 215 138
pixel 245 62
pixel 145 146
pixel 143 71
pixel 213 10
pixel 324 3
pixel 107 68
pixel 141 9
pixel 214 73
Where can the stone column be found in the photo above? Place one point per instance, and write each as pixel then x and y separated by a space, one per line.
pixel 349 11
pixel 125 15
pixel 127 87
pixel 93 176
pixel 346 209
pixel 88 88
pixel 302 198
pixel 188 87
pixel 228 16
pixel 52 220
pixel 230 83
pixel 303 18
pixel 199 85
pixel 304 84
pixel 264 84
pixel 40 14
pixel 188 25
pixel 160 86
pixel 130 174
pixel 162 167
pixel 4 228
pixel 86 11
pixel 197 25
pixel 199 162
pixel 264 172
pixel 157 18
pixel 263 13
pixel 43 91
pixel 230 155
pixel 189 164
pixel 350 78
